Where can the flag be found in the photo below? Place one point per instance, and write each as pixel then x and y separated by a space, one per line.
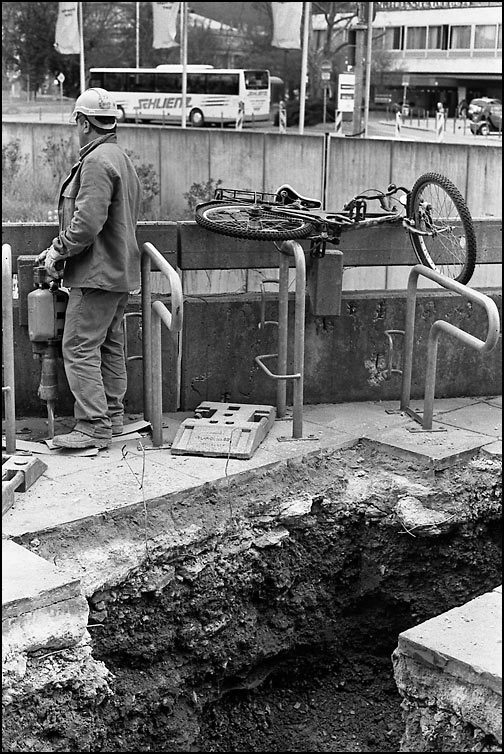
pixel 164 24
pixel 67 39
pixel 287 25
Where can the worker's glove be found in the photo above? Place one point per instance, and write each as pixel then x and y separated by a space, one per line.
pixel 52 261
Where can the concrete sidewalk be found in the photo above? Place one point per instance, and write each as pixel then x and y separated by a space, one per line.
pixel 131 470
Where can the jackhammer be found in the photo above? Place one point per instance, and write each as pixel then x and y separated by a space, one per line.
pixel 46 318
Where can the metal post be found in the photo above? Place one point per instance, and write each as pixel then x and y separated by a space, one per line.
pixel 304 65
pixel 8 350
pixel 283 324
pixel 408 342
pixel 367 87
pixel 359 72
pixel 146 339
pixel 157 382
pixel 299 336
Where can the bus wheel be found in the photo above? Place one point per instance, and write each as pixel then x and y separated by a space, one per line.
pixel 196 118
pixel 121 118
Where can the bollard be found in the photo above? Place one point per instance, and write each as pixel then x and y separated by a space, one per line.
pixel 440 126
pixel 239 116
pixel 282 118
pixel 338 122
pixel 398 124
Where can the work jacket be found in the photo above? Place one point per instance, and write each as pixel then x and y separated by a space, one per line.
pixel 98 210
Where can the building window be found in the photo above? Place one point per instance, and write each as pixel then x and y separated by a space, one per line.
pixel 460 38
pixel 379 39
pixel 438 38
pixel 416 37
pixel 484 37
pixel 395 38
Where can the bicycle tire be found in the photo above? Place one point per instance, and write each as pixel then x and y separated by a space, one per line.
pixel 454 238
pixel 243 220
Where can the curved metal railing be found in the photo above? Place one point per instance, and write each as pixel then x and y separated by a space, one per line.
pixel 289 248
pixel 437 328
pixel 153 313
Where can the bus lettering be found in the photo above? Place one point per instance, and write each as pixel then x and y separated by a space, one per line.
pixel 159 103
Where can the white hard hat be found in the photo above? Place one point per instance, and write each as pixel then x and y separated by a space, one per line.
pixel 94 103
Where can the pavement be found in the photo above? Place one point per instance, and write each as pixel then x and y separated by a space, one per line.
pixel 44 606
pixel 380 125
pixel 79 486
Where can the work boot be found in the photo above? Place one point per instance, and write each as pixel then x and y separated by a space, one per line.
pixel 117 429
pixel 80 440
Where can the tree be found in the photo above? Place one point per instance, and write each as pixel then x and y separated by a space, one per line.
pixel 26 31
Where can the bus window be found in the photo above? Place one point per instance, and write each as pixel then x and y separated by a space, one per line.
pixel 256 79
pixel 96 79
pixel 196 83
pixel 169 82
pixel 223 83
pixel 143 82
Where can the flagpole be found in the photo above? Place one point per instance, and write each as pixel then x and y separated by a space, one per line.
pixel 81 43
pixel 369 49
pixel 137 35
pixel 183 55
pixel 304 66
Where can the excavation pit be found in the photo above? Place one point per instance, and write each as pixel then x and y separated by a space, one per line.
pixel 258 610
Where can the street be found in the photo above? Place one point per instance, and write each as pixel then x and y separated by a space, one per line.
pixel 379 126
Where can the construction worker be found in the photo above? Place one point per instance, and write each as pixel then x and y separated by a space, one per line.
pixel 96 246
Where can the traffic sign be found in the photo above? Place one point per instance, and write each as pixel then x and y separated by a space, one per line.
pixel 61 77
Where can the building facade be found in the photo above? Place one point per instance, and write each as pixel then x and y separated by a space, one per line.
pixel 429 52
pixel 443 52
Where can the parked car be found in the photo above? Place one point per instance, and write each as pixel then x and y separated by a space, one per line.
pixel 485 115
pixel 314 112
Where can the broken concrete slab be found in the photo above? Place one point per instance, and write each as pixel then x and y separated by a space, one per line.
pixel 43 607
pixel 436 449
pixel 449 672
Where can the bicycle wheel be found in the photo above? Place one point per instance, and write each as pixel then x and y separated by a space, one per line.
pixel 251 221
pixel 437 207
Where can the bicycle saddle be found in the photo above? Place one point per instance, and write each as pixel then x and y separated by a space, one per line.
pixel 285 194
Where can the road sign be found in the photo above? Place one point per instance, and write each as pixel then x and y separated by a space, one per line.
pixel 405 80
pixel 346 92
pixel 61 77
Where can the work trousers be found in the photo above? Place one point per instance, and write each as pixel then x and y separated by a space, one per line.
pixel 94 359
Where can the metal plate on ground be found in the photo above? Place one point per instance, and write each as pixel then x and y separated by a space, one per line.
pixel 231 430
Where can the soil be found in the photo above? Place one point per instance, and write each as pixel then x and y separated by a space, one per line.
pixel 273 630
pixel 311 703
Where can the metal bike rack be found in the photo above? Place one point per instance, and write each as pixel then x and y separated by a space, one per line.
pixel 152 316
pixel 289 248
pixel 8 350
pixel 437 328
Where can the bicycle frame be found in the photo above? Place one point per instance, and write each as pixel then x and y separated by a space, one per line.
pixel 357 215
pixel 434 214
pixel 328 225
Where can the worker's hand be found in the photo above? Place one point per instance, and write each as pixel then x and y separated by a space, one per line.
pixel 53 263
pixel 41 257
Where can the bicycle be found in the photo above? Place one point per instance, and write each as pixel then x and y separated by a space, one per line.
pixel 433 212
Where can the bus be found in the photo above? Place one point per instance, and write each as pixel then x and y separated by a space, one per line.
pixel 213 94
